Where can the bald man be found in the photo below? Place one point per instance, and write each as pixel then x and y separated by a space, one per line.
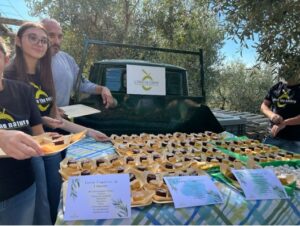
pixel 65 70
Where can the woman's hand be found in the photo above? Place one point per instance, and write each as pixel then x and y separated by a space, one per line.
pixel 62 113
pixel 19 145
pixel 52 123
pixel 98 136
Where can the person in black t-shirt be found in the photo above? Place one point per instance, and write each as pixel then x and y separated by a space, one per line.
pixel 18 111
pixel 32 65
pixel 282 107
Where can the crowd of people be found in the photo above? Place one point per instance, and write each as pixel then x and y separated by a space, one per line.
pixel 35 83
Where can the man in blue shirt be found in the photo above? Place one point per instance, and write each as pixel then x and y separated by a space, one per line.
pixel 65 70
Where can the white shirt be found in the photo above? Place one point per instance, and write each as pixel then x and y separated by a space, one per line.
pixel 65 72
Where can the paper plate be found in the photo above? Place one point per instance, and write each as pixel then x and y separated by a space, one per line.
pixel 51 148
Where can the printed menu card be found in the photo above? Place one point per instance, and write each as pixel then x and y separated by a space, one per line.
pixel 98 197
pixel 189 191
pixel 260 184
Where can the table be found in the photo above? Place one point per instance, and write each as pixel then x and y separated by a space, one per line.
pixel 234 210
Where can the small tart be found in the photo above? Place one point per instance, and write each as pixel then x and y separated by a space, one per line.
pixel 286 179
pixel 162 194
pixel 67 173
pixel 85 172
pixel 87 164
pixel 100 162
pixel 140 197
pixel 129 160
pixel 136 184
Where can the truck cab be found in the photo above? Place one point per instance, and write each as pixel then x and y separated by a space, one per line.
pixel 141 112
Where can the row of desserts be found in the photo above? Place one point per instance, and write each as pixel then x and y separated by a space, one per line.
pixel 121 164
pixel 260 152
pixel 146 181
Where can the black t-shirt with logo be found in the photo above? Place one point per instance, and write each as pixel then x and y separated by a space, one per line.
pixel 285 101
pixel 44 101
pixel 18 111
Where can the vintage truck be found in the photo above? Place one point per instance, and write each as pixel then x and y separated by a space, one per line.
pixel 151 97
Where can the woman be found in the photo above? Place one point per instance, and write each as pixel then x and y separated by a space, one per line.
pixel 18 111
pixel 32 64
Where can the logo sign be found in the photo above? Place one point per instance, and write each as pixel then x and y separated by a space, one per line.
pixel 146 80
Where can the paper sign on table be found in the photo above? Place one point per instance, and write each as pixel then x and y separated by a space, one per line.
pixel 98 197
pixel 260 184
pixel 193 191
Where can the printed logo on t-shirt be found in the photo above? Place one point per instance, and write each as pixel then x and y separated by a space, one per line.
pixel 7 121
pixel 283 99
pixel 42 99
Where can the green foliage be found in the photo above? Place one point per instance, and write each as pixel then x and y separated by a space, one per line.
pixel 241 89
pixel 276 22
pixel 187 25
pixel 177 24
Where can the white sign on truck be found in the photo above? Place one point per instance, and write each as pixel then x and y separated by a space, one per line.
pixel 146 80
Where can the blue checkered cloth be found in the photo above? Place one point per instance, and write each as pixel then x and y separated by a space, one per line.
pixel 89 148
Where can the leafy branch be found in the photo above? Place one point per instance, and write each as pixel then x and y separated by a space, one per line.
pixel 74 188
pixel 121 208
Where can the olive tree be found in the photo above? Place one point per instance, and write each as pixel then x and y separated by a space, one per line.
pixel 275 22
pixel 241 88
pixel 176 24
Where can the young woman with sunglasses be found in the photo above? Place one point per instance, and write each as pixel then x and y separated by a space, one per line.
pixel 18 115
pixel 32 64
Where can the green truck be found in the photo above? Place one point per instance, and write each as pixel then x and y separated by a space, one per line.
pixel 146 111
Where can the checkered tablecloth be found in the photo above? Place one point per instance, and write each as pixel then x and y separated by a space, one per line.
pixel 89 148
pixel 234 210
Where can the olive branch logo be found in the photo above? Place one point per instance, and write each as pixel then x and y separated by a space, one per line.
pixel 74 188
pixel 38 94
pixel 145 78
pixel 284 96
pixel 122 210
pixel 5 116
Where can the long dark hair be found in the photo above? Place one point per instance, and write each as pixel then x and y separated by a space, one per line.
pixel 43 67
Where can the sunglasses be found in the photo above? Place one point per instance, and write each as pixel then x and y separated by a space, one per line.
pixel 35 40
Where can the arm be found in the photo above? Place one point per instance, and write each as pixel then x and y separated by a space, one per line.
pixel 292 121
pixel 18 145
pixel 266 110
pixel 287 122
pixel 87 86
pixel 75 128
pixel 107 98
pixel 71 127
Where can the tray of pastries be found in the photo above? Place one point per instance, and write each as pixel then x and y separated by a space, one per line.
pixel 287 175
pixel 146 175
pixel 253 148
